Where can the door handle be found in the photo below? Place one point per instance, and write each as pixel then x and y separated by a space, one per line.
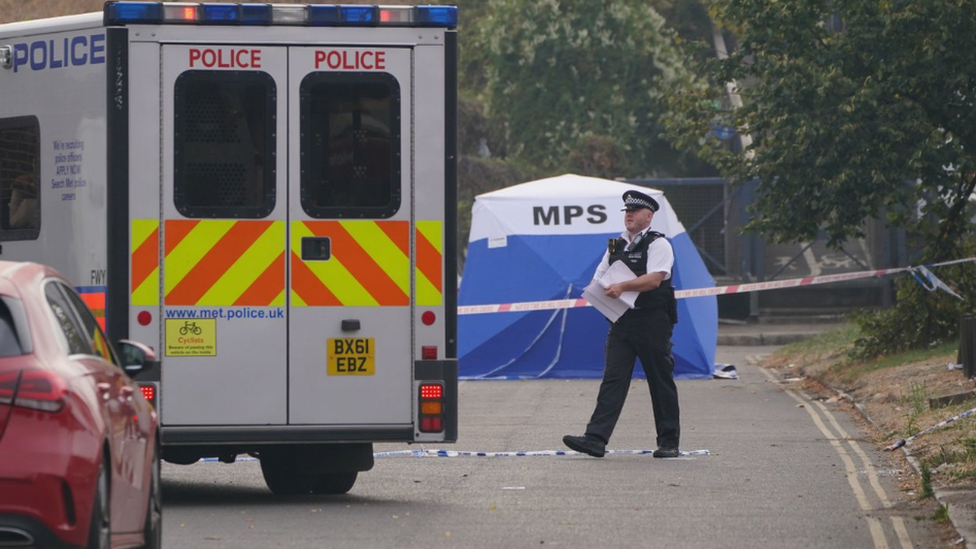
pixel 104 387
pixel 126 391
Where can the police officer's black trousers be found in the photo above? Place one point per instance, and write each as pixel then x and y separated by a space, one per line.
pixel 644 334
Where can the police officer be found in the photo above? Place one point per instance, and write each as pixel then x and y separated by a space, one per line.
pixel 642 332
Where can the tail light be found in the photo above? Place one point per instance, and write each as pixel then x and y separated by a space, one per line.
pixel 149 392
pixel 431 407
pixel 34 389
pixel 8 384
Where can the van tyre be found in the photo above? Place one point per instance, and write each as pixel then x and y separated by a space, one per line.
pixel 99 531
pixel 334 483
pixel 282 476
pixel 152 530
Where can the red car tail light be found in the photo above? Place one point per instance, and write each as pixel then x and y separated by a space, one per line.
pixel 39 390
pixel 8 384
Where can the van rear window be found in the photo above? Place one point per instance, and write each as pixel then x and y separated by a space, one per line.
pixel 224 144
pixel 20 200
pixel 350 145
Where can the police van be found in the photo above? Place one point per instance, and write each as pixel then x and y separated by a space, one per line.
pixel 265 194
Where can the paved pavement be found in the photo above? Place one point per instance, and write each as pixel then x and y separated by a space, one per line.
pixel 772 330
pixel 767 334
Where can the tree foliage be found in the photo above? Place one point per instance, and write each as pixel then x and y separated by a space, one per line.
pixel 561 75
pixel 856 109
pixel 842 118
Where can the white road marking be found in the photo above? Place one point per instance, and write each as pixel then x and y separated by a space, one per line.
pixel 898 522
pixel 874 525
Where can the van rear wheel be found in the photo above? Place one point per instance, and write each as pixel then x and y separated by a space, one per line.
pixel 334 483
pixel 282 476
pixel 314 468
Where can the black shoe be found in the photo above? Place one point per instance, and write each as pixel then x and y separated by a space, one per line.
pixel 586 444
pixel 663 452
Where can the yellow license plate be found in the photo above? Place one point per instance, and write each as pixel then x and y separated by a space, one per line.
pixel 351 356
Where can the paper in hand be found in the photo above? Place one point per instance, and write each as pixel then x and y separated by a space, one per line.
pixel 608 306
pixel 612 308
pixel 617 273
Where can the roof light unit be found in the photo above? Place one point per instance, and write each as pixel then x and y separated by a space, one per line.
pixel 222 13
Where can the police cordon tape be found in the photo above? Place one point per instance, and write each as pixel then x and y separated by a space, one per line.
pixel 537 453
pixel 718 290
pixel 901 442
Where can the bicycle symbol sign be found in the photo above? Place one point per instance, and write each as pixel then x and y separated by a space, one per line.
pixel 190 328
pixel 197 337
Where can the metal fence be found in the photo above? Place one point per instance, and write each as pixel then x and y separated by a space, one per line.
pixel 714 214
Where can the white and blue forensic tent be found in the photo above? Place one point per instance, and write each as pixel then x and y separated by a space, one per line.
pixel 541 241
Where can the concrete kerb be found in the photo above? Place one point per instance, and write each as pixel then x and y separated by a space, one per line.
pixel 762 338
pixel 733 333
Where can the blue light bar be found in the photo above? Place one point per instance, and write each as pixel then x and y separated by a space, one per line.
pixel 122 13
pixel 437 16
pixel 360 15
pixel 256 14
pixel 221 14
pixel 322 15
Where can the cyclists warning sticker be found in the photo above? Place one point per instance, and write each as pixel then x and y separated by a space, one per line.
pixel 197 337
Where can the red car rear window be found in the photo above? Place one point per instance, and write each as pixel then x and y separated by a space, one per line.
pixel 9 338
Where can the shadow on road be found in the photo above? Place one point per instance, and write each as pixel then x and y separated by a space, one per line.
pixel 180 493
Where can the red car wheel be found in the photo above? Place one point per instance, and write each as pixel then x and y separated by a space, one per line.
pixel 100 530
pixel 153 528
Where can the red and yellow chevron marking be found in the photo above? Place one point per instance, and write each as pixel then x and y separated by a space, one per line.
pixel 429 280
pixel 369 265
pixel 222 262
pixel 96 302
pixel 145 262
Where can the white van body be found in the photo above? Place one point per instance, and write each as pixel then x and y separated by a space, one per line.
pixel 266 195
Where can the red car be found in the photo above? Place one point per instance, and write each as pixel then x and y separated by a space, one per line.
pixel 79 453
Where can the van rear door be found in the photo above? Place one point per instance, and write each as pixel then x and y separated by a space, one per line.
pixel 224 235
pixel 287 236
pixel 350 246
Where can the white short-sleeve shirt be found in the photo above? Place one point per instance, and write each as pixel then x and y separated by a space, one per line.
pixel 660 257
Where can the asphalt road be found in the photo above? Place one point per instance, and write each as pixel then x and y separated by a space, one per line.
pixel 783 471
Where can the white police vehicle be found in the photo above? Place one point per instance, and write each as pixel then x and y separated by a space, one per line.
pixel 264 193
